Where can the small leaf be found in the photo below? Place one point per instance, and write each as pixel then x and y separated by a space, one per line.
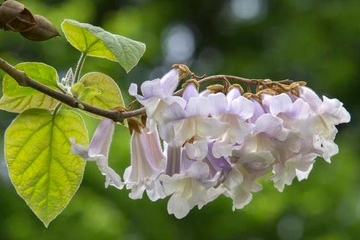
pixel 95 41
pixel 17 98
pixel 100 90
pixel 79 91
pixel 41 167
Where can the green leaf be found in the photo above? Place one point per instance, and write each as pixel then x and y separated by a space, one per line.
pixel 82 92
pixel 41 166
pixel 17 98
pixel 99 90
pixel 95 41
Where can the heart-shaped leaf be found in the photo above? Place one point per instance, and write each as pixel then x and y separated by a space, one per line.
pixel 95 41
pixel 41 166
pixel 99 90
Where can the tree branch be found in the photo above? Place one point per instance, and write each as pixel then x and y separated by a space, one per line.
pixel 116 115
pixel 23 80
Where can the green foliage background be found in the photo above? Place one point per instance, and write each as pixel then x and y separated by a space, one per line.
pixel 317 41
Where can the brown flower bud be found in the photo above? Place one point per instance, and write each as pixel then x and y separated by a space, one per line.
pixel 15 17
pixel 9 10
pixel 23 22
pixel 43 30
pixel 184 70
pixel 215 88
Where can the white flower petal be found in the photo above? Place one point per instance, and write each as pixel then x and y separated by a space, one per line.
pixel 279 103
pixel 218 103
pixel 333 108
pixel 133 89
pixel 197 150
pixel 242 107
pixel 169 82
pixel 190 91
pixel 310 97
pixel 272 126
pixel 178 206
pixel 198 106
pixel 233 94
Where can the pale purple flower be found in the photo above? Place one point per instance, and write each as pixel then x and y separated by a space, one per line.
pixel 190 120
pixel 147 163
pixel 192 182
pixel 241 181
pixel 189 187
pixel 324 116
pixel 156 95
pixel 217 165
pixel 98 151
pixel 284 107
pixel 220 169
pixel 311 123
pixel 270 126
pixel 290 165
pixel 234 110
pixel 293 158
pixel 197 150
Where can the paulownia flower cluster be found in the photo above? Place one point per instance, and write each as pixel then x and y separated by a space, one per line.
pixel 189 143
pixel 193 146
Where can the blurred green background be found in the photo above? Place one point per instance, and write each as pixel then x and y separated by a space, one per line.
pixel 313 40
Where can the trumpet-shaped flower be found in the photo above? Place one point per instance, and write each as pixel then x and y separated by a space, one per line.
pixel 235 110
pixel 156 95
pixel 189 188
pixel 241 181
pixel 290 165
pixel 324 116
pixel 190 121
pixel 147 163
pixel 98 151
pixel 192 182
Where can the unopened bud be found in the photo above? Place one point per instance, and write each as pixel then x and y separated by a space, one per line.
pixel 268 91
pixel 215 88
pixel 43 30
pixel 9 10
pixel 184 70
pixel 15 17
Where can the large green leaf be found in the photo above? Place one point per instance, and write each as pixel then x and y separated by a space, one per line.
pixel 95 41
pixel 99 90
pixel 17 98
pixel 41 167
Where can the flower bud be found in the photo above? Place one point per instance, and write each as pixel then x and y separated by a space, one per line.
pixel 15 17
pixel 215 88
pixel 43 30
